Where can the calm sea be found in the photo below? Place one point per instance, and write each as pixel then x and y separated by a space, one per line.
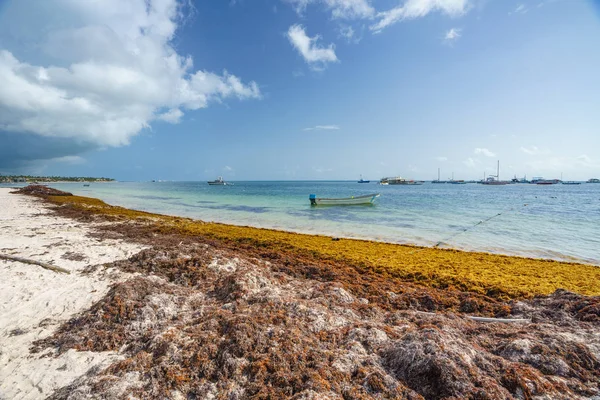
pixel 557 221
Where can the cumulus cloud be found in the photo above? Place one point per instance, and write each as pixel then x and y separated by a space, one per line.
pixel 173 116
pixel 412 9
pixel 340 9
pixel 323 128
pixel 484 152
pixel 452 35
pixel 102 72
pixel 346 32
pixel 315 56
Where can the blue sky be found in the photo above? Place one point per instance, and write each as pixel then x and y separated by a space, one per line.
pixel 300 89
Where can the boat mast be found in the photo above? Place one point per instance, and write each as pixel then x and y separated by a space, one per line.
pixel 438 174
pixel 498 172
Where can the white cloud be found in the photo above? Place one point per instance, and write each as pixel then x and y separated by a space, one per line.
pixel 534 150
pixel 316 57
pixel 340 9
pixel 453 35
pixel 442 159
pixel 70 159
pixel 346 32
pixel 530 150
pixel 227 168
pixel 173 116
pixel 469 162
pixel 484 152
pixel 521 9
pixel 104 71
pixel 412 9
pixel 322 128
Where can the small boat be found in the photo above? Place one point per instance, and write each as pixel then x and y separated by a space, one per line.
pixel 522 180
pixel 571 183
pixel 401 181
pixel 438 179
pixel 547 182
pixel 457 181
pixel 86 184
pixel 494 180
pixel 346 201
pixel 362 180
pixel 218 181
pixel 593 180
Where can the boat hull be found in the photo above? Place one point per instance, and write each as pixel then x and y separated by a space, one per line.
pixel 347 201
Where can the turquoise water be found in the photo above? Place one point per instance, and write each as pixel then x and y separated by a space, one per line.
pixel 558 221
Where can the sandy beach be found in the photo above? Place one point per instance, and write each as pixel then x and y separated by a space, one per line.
pixel 167 307
pixel 35 301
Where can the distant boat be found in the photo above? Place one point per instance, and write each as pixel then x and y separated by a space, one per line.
pixel 362 180
pixel 456 182
pixel 546 182
pixel 593 180
pixel 438 179
pixel 346 201
pixel 571 183
pixel 522 180
pixel 86 184
pixel 218 181
pixel 399 181
pixel 495 179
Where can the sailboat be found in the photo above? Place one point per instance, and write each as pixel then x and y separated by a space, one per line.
pixel 438 179
pixel 495 179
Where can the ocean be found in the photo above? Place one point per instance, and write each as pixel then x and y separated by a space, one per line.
pixel 560 222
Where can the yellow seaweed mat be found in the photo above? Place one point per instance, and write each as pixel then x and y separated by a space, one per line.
pixel 494 275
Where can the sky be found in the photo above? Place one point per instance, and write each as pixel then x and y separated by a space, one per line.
pixel 300 89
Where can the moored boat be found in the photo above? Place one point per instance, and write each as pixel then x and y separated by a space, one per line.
pixel 345 201
pixel 362 180
pixel 547 182
pixel 398 180
pixel 494 180
pixel 218 181
pixel 438 179
pixel 593 180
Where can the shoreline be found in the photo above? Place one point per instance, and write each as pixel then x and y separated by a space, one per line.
pixel 487 273
pixel 212 310
pixel 474 239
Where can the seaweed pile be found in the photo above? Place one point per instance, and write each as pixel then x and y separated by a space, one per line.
pixel 199 322
pixel 41 190
pixel 221 312
pixel 494 275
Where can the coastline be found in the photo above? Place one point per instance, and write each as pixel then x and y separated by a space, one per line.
pixel 486 273
pixel 212 309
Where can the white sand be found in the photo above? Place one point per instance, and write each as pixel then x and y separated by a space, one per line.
pixel 35 301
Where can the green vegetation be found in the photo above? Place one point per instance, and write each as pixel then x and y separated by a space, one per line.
pixel 31 178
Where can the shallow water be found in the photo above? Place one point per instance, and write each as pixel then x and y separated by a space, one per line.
pixel 557 221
